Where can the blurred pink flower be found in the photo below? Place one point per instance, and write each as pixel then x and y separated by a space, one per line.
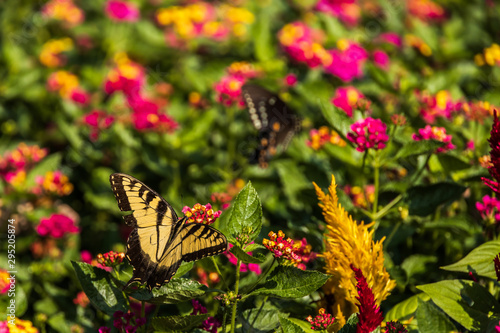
pixel 391 38
pixel 348 11
pixel 86 256
pixel 438 105
pixel 211 323
pixel 381 59
pixel 434 133
pixel 56 226
pixel 426 10
pixel 489 208
pixel 290 80
pixel 228 91
pixel 368 133
pixel 347 61
pixel 80 96
pixel 121 11
pixel 348 98
pixel 97 120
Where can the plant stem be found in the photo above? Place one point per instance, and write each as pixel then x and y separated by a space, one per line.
pixel 218 272
pixel 235 304
pixel 260 278
pixel 376 177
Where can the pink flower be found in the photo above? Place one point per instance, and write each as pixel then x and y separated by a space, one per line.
pixel 321 321
pixel 370 316
pixel 201 214
pixel 434 133
pixel 228 91
pixel 122 11
pixel 347 98
pixel 80 96
pixel 290 80
pixel 426 10
pixel 347 62
pixel 391 38
pixel 381 59
pixel 97 121
pixel 348 11
pixel 489 208
pixel 439 105
pixel 211 323
pixel 56 226
pixel 368 133
pixel 86 256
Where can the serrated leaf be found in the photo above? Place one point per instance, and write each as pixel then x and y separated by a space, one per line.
pixel 413 148
pixel 405 309
pixel 254 246
pixel 246 213
pixel 291 282
pixel 479 261
pixel 337 118
pixel 100 288
pixel 185 267
pixel 259 320
pixel 423 200
pixel 246 258
pixel 431 319
pixel 467 302
pixel 350 325
pixel 178 323
pixel 176 291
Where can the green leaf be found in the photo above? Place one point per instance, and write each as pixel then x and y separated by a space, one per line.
pixel 50 163
pixel 185 267
pixel 423 200
pixel 100 288
pixel 417 264
pixel 264 48
pixel 431 319
pixel 293 325
pixel 413 148
pixel 176 291
pixel 259 320
pixel 450 162
pixel 291 282
pixel 293 180
pixel 246 258
pixel 178 323
pixel 254 246
pixel 350 326
pixel 479 261
pixel 337 118
pixel 246 213
pixel 467 302
pixel 59 323
pixel 406 309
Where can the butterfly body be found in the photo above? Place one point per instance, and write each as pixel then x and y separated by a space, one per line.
pixel 275 121
pixel 160 241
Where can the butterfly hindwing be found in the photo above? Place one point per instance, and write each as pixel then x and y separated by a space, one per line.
pixel 159 240
pixel 272 117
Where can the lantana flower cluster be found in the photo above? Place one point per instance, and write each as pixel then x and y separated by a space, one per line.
pixel 201 214
pixel 435 133
pixel 5 282
pixel 320 137
pixel 125 322
pixel 53 182
pixel 478 110
pixel 395 327
pixel 439 105
pixel 368 133
pixel 418 43
pixel 68 87
pixel 128 77
pixel 348 11
pixel 296 253
pixel 490 56
pixel 56 226
pixel 20 326
pixel 347 60
pixel 228 88
pixel 203 20
pixel 211 323
pixel 111 258
pixel 321 321
pixel 122 11
pixel 23 157
pixel 426 10
pixel 97 121
pixel 64 10
pixel 350 98
pixel 361 196
pixel 52 52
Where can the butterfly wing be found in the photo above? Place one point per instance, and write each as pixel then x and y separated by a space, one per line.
pixel 274 120
pixel 155 225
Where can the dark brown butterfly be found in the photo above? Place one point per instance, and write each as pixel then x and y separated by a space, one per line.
pixel 274 120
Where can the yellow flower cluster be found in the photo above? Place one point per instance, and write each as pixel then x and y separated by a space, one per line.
pixel 346 243
pixel 56 182
pixel 50 55
pixel 490 56
pixel 22 326
pixel 202 19
pixel 64 10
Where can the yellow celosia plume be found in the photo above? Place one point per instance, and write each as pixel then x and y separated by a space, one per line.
pixel 346 243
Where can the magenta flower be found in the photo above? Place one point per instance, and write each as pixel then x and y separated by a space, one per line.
pixel 86 256
pixel 80 96
pixel 321 321
pixel 211 323
pixel 348 98
pixel 395 327
pixel 290 80
pixel 228 91
pixel 489 208
pixel 435 133
pixel 370 316
pixel 121 11
pixel 347 62
pixel 368 133
pixel 391 38
pixel 201 214
pixel 348 11
pixel 381 59
pixel 494 168
pixel 97 121
pixel 56 226
pixel 438 105
pixel 244 267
